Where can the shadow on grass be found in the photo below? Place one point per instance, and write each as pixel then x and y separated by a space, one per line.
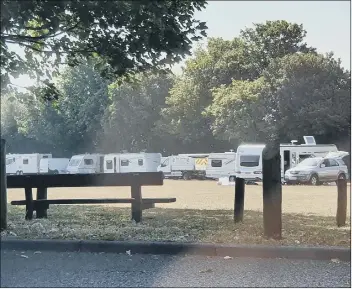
pixel 181 225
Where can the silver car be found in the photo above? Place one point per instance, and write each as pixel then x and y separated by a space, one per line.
pixel 318 170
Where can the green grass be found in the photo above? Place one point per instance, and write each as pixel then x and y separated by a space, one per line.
pixel 213 226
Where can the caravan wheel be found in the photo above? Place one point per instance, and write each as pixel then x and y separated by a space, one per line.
pixel 18 173
pixel 232 179
pixel 186 176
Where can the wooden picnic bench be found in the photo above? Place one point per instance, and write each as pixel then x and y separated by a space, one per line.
pixel 43 182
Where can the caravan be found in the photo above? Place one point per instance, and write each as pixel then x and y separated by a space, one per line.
pixel 86 164
pixel 249 157
pixel 221 165
pixel 20 164
pixel 133 162
pixel 53 165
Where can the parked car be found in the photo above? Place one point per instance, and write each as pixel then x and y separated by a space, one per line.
pixel 318 170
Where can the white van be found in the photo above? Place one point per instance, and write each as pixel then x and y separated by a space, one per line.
pixel 86 164
pixel 131 162
pixel 221 165
pixel 249 157
pixel 20 164
pixel 53 165
pixel 180 166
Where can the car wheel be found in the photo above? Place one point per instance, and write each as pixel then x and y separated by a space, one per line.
pixel 314 180
pixel 232 179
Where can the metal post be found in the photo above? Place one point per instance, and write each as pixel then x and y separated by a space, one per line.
pixel 239 200
pixel 341 202
pixel 3 188
pixel 272 191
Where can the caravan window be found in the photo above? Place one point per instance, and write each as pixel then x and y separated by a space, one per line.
pixel 45 157
pixel 140 162
pixel 216 163
pixel 10 161
pixel 249 161
pixel 88 162
pixel 74 162
pixel 124 163
pixel 109 165
pixel 25 161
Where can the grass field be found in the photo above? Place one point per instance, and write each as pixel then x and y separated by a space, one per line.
pixel 203 212
pixel 208 195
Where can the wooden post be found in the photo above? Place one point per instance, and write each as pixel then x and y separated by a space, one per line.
pixel 341 202
pixel 272 191
pixel 29 203
pixel 136 194
pixel 3 188
pixel 239 200
pixel 42 194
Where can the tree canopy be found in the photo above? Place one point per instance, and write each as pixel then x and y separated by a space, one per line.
pixel 226 95
pixel 128 36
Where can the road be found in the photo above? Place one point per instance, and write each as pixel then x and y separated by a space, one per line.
pixel 54 269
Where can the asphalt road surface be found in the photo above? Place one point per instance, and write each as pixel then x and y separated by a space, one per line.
pixel 53 269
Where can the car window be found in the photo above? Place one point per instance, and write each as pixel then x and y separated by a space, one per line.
pixel 310 162
pixel 333 163
pixel 326 163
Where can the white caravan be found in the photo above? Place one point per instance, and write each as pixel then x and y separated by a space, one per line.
pixel 86 164
pixel 20 164
pixel 53 165
pixel 131 162
pixel 221 165
pixel 249 157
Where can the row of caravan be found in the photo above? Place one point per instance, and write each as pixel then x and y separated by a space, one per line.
pixel 82 164
pixel 245 163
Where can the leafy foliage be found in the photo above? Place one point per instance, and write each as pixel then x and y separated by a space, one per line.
pixel 229 92
pixel 299 94
pixel 129 36
pixel 133 111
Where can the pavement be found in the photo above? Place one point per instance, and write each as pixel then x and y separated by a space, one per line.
pixel 83 269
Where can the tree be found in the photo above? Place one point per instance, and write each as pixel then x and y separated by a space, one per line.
pixel 70 124
pixel 133 111
pixel 220 63
pixel 270 40
pixel 129 36
pixel 299 94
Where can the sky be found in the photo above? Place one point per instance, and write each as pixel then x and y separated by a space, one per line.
pixel 327 23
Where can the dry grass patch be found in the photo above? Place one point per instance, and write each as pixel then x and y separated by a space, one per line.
pixel 207 195
pixel 183 225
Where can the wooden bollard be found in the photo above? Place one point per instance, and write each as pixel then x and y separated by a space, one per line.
pixel 41 210
pixel 239 200
pixel 272 191
pixel 341 202
pixel 3 187
pixel 137 208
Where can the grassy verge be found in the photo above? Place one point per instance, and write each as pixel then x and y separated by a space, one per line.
pixel 213 226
